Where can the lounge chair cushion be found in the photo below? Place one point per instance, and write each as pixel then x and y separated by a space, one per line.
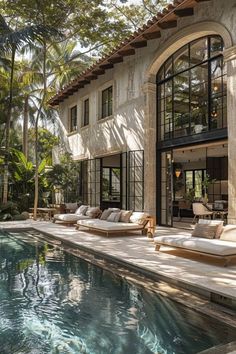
pixel 205 231
pixel 138 217
pixel 93 212
pixel 105 214
pixel 82 210
pixel 203 245
pixel 70 217
pixel 220 224
pixel 109 226
pixel 125 215
pixel 229 233
pixel 114 216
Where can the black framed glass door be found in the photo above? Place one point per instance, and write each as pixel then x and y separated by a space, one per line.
pixel 165 189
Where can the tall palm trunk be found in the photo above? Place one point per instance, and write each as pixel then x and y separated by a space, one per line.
pixel 36 179
pixel 7 132
pixel 25 126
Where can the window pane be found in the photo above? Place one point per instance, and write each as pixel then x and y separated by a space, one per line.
pixel 198 51
pixel 216 45
pixel 86 113
pixel 168 67
pixel 181 59
pixel 198 183
pixel 181 104
pixel 188 180
pixel 107 102
pixel 73 119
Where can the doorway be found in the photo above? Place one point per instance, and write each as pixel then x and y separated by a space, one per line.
pixel 191 174
pixel 111 177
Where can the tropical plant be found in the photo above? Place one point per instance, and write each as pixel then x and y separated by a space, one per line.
pixel 22 173
pixel 11 40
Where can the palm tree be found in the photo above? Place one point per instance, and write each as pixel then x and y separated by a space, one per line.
pixel 11 40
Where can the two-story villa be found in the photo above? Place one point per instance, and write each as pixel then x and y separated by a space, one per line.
pixel 153 124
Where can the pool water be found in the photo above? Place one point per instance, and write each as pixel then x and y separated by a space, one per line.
pixel 53 302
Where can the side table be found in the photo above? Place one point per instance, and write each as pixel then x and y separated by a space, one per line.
pixel 151 226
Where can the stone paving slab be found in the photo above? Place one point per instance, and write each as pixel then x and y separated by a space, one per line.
pixel 139 251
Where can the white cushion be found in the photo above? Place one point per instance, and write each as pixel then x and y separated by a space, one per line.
pixel 114 216
pixel 125 215
pixel 205 231
pixel 108 226
pixel 210 246
pixel 138 217
pixel 93 212
pixel 82 210
pixel 229 233
pixel 214 222
pixel 70 217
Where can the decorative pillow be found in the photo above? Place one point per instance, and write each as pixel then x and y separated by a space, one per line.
pixel 125 215
pixel 114 209
pixel 114 216
pixel 138 217
pixel 105 214
pixel 93 212
pixel 220 224
pixel 82 210
pixel 229 233
pixel 205 231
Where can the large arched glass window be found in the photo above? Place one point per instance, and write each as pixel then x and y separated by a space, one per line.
pixel 192 90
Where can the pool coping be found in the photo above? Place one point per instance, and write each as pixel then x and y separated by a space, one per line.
pixel 183 293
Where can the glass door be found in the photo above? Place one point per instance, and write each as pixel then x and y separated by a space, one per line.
pixel 166 195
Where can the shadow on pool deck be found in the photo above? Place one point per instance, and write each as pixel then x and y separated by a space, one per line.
pixel 138 250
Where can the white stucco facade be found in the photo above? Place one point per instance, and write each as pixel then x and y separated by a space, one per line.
pixel 133 123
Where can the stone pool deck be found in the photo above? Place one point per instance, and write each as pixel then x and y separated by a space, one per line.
pixel 138 251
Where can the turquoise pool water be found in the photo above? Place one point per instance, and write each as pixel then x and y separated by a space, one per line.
pixel 53 302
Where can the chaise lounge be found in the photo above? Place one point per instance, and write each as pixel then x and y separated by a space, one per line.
pixel 221 246
pixel 84 212
pixel 136 221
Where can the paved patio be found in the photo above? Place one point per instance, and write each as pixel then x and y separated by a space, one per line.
pixel 139 251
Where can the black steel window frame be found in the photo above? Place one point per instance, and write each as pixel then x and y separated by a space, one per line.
pixel 73 119
pixel 106 102
pixel 136 179
pixel 85 120
pixel 170 135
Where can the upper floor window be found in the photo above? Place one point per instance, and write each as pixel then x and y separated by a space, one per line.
pixel 192 90
pixel 85 119
pixel 106 99
pixel 73 119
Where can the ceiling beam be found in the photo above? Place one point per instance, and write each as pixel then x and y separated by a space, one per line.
pixel 189 11
pixel 125 52
pixel 152 35
pixel 139 44
pixel 167 24
pixel 98 71
pixel 115 60
pixel 106 65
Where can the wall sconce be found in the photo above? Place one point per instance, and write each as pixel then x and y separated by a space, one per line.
pixel 177 172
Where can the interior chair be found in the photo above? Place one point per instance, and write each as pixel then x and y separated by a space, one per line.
pixel 199 210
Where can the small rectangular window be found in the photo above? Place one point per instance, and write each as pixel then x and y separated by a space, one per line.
pixel 106 102
pixel 73 119
pixel 85 120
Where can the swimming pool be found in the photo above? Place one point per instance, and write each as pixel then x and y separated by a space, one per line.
pixel 53 302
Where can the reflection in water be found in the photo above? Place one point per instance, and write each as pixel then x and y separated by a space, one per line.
pixel 53 302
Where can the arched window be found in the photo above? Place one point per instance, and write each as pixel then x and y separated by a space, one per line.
pixel 192 90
